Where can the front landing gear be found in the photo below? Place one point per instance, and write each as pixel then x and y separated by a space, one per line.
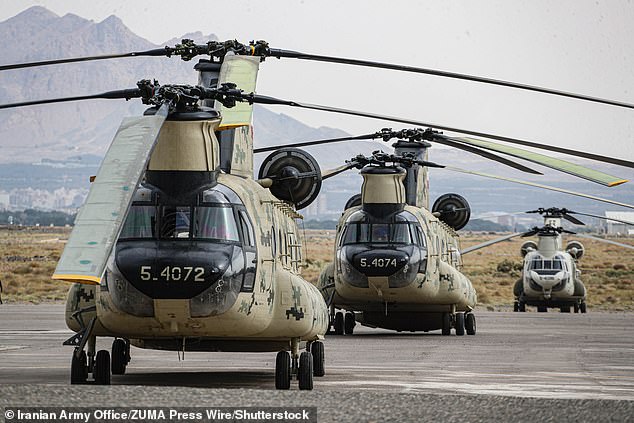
pixel 303 366
pixel 460 322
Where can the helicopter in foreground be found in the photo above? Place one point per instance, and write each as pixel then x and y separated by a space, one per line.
pixel 178 180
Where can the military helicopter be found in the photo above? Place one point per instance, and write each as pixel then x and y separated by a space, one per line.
pixel 178 135
pixel 550 274
pixel 550 277
pixel 397 263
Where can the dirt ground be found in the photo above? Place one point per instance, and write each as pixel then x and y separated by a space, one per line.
pixel 28 257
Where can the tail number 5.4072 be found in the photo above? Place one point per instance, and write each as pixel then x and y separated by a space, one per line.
pixel 174 273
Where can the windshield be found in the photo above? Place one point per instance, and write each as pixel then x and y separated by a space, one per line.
pixel 545 266
pixel 206 222
pixel 393 233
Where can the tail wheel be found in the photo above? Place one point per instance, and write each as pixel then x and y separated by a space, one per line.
pixel 576 307
pixel 283 370
pixel 582 307
pixel 317 350
pixel 446 324
pixel 305 372
pixel 102 368
pixel 119 357
pixel 470 324
pixel 337 325
pixel 349 323
pixel 78 369
pixel 459 325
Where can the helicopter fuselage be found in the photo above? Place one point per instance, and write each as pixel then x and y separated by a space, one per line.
pixel 401 273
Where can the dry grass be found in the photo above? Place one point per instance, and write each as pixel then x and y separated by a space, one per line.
pixel 28 257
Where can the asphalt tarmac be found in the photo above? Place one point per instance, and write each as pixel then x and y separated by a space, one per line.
pixel 518 367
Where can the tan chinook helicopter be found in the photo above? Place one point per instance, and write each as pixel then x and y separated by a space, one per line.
pixel 174 203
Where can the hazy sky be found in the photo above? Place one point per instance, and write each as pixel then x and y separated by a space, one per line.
pixel 574 45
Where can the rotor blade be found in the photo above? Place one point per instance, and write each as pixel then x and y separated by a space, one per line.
pixel 441 139
pixel 572 219
pixel 298 55
pixel 272 100
pixel 329 173
pixel 307 143
pixel 154 52
pixel 532 232
pixel 603 217
pixel 607 241
pixel 518 181
pixel 123 94
pixel 548 161
pixel 488 243
pixel 101 218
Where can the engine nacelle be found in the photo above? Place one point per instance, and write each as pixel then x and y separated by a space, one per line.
pixel 575 249
pixel 295 176
pixel 452 209
pixel 527 247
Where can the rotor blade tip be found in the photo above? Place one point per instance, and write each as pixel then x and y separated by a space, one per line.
pixel 619 182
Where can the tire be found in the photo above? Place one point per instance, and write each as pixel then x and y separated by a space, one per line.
pixel 470 324
pixel 576 307
pixel 78 369
pixel 305 371
pixel 119 357
pixel 317 350
pixel 565 309
pixel 582 307
pixel 337 325
pixel 102 368
pixel 349 323
pixel 283 370
pixel 516 306
pixel 446 324
pixel 459 324
pixel 542 309
pixel 522 307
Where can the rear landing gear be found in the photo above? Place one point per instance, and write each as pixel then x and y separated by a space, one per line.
pixel 349 323
pixel 459 324
pixel 304 366
pixel 101 371
pixel 582 307
pixel 338 323
pixel 120 356
pixel 470 324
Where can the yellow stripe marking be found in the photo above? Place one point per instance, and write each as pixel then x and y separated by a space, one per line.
pixel 85 279
pixel 615 183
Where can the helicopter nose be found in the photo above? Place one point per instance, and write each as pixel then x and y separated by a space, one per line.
pixel 380 262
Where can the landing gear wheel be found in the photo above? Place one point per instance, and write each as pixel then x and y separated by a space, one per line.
pixel 446 324
pixel 349 323
pixel 576 307
pixel 565 309
pixel 470 324
pixel 459 324
pixel 337 325
pixel 317 350
pixel 102 368
pixel 119 357
pixel 522 307
pixel 516 306
pixel 305 371
pixel 283 370
pixel 582 307
pixel 78 369
pixel 542 309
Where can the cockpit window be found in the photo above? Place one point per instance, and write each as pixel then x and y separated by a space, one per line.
pixel 213 222
pixel 393 233
pixel 140 222
pixel 206 222
pixel 544 265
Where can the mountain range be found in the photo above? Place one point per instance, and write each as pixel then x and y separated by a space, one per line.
pixel 55 133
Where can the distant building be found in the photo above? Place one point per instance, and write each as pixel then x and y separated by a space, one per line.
pixel 616 228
